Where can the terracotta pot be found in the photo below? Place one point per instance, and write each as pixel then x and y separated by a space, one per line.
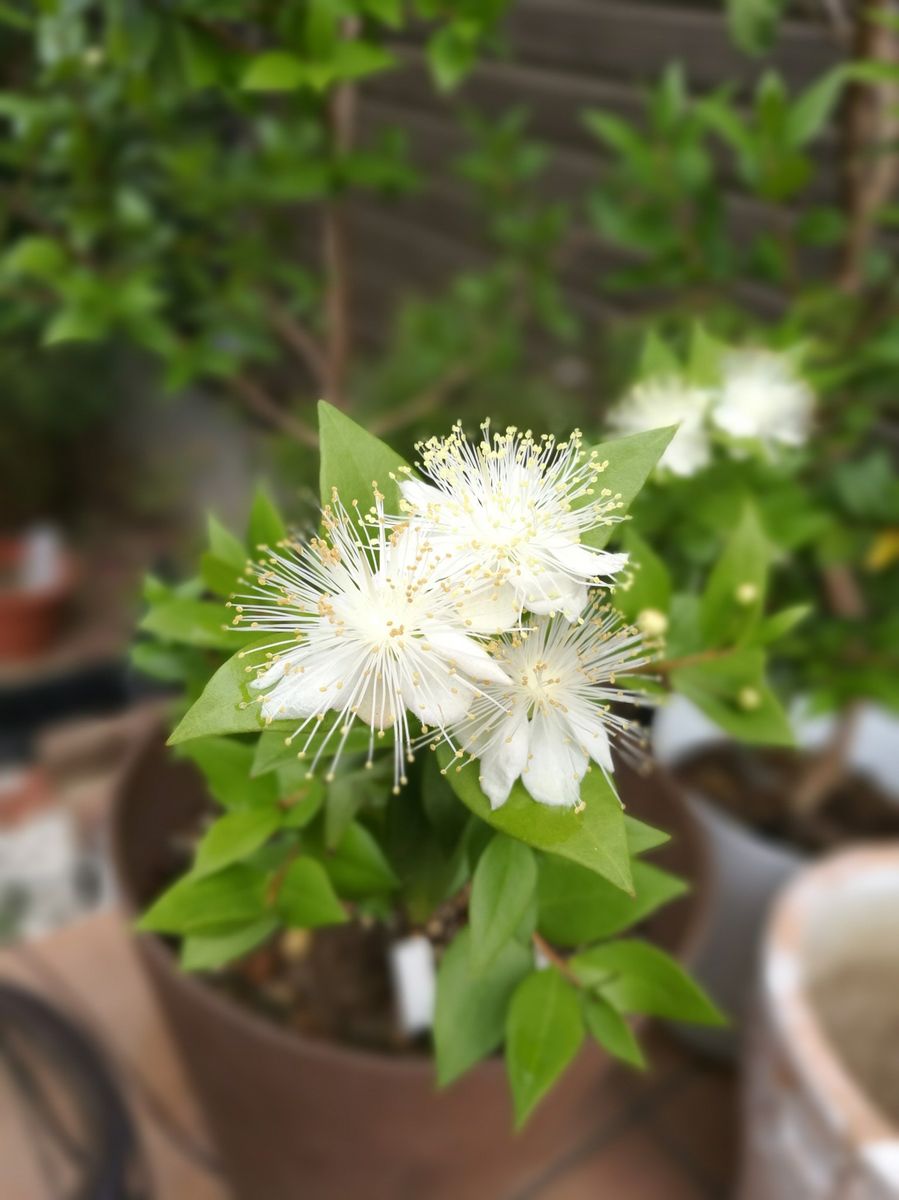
pixel 30 620
pixel 813 1130
pixel 746 870
pixel 296 1117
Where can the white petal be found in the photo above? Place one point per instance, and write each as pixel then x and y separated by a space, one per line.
pixel 490 608
pixel 556 764
pixel 567 596
pixel 420 495
pixel 592 735
pixel 438 698
pixel 588 564
pixel 375 708
pixel 467 656
pixel 505 758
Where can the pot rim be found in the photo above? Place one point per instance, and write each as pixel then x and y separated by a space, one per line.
pixel 244 1019
pixel 834 1088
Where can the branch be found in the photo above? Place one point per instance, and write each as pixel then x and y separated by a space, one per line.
pixel 300 340
pixel 869 123
pixel 424 402
pixel 341 115
pixel 557 960
pixel 261 403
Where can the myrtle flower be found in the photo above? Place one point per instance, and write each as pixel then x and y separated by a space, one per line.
pixel 506 515
pixel 365 629
pixel 762 397
pixel 668 400
pixel 555 715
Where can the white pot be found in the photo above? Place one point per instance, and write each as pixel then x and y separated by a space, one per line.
pixel 811 1129
pixel 745 869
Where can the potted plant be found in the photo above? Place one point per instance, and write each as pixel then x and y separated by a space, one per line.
pixel 827 1011
pixel 768 345
pixel 450 613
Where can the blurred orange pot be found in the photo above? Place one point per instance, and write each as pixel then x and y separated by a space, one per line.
pixel 30 617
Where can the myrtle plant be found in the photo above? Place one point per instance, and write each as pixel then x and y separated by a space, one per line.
pixel 426 700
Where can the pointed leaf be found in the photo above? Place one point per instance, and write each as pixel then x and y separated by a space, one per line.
pixel 351 458
pixel 612 1032
pixel 233 837
pixel 266 527
pixel 577 906
pixel 207 951
pixel 594 837
pixel 544 1031
pixel 501 891
pixel 306 897
pixel 631 461
pixel 470 1015
pixel 230 897
pixel 637 977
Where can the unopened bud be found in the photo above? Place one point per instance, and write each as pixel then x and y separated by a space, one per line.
pixel 652 622
pixel 749 699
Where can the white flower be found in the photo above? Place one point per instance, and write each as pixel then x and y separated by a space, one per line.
pixel 555 715
pixel 506 514
pixel 762 397
pixel 369 632
pixel 668 400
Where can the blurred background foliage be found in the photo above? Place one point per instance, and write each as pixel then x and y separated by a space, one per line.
pixel 175 180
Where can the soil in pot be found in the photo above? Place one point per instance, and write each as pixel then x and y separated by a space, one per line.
pixel 756 787
pixel 857 1006
pixel 332 983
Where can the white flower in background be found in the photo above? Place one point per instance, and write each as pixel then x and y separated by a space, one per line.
pixel 668 400
pixel 762 397
pixel 556 714
pixel 369 631
pixel 506 515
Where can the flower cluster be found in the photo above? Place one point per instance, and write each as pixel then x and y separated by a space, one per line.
pixel 469 617
pixel 759 398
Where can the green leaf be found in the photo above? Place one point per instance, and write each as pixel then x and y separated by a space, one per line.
pixel 224 545
pixel 631 461
pixel 642 837
pixel 735 593
pixel 544 1031
pixel 594 837
pixel 351 459
pixel 639 978
pixel 207 951
pixel 191 622
pixel 358 865
pixel 753 23
pixel 266 528
pixel 225 763
pixel 301 798
pixel 779 624
pixel 220 577
pixel 74 325
pixel 194 904
pixel 224 706
pixel 732 692
pixel 810 112
pixel 234 837
pixel 657 359
pixel 35 255
pixel 577 906
pixel 470 1013
pixel 651 586
pixel 704 357
pixel 501 891
pixel 306 897
pixel 274 71
pixel 612 1032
